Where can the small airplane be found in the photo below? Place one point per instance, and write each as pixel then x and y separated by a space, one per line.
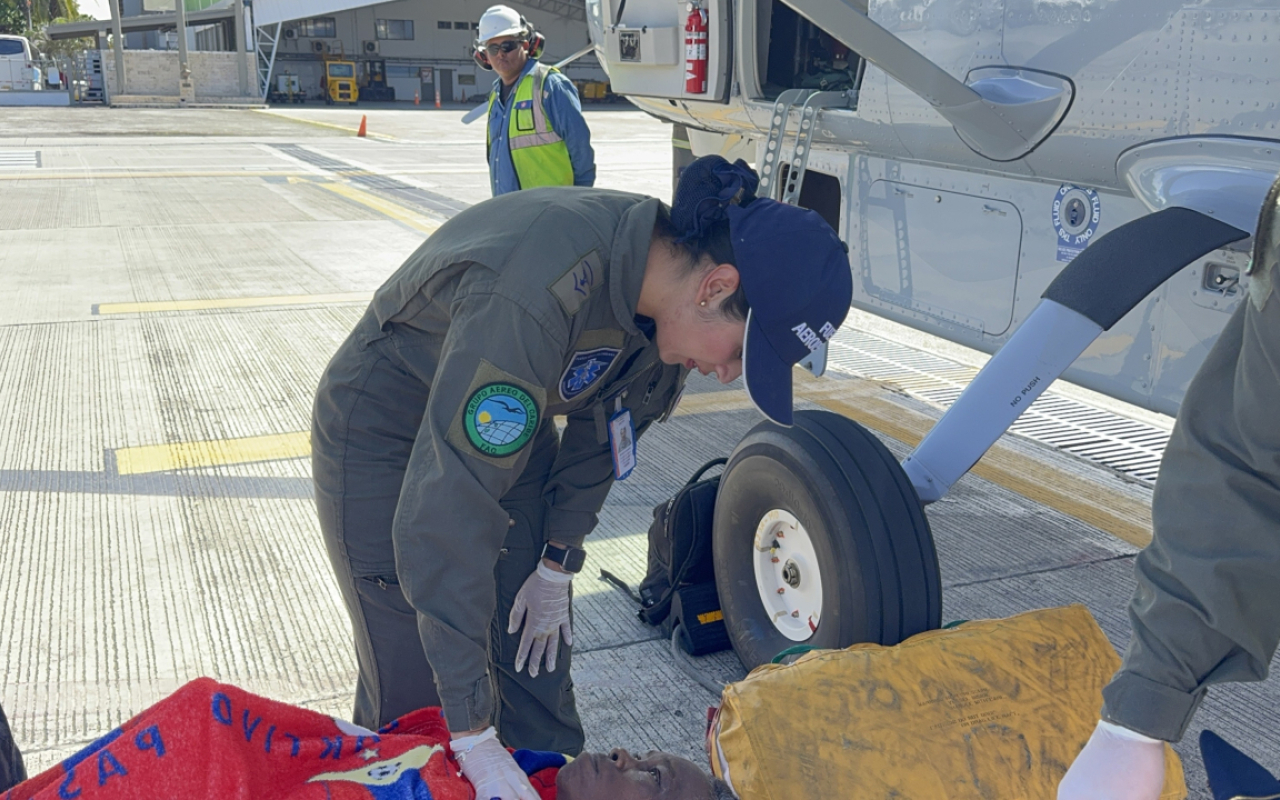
pixel 1070 184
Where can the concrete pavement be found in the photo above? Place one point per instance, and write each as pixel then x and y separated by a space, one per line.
pixel 175 281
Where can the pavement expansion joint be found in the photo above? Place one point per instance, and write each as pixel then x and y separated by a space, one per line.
pixel 1056 569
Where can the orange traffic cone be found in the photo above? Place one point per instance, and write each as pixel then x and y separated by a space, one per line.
pixel 363 121
pixel 416 98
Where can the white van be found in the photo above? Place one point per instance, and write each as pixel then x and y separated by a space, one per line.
pixel 17 71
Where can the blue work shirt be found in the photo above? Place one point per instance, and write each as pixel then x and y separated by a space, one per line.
pixel 560 100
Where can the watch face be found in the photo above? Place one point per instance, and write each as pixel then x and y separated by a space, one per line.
pixel 574 558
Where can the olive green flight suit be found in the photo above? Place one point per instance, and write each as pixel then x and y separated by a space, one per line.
pixel 439 474
pixel 1207 605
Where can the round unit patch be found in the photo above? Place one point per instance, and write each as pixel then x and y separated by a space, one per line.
pixel 1076 214
pixel 500 419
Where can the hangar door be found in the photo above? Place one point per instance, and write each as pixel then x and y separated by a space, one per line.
pixel 642 45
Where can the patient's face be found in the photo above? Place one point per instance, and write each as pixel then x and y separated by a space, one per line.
pixel 622 776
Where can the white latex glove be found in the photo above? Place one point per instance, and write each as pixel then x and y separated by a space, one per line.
pixel 1116 764
pixel 492 771
pixel 545 596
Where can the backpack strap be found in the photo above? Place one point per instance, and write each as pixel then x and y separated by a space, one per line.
pixel 712 464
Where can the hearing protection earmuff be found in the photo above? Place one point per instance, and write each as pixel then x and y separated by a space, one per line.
pixel 533 41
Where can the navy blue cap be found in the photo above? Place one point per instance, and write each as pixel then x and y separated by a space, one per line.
pixel 793 269
pixel 795 273
pixel 1232 774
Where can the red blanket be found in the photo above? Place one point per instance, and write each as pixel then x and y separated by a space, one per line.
pixel 216 741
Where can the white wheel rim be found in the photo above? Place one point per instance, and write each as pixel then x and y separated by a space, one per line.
pixel 787 575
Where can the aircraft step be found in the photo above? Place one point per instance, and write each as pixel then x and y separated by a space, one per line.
pixel 808 102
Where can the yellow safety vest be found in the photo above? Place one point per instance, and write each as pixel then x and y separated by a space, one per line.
pixel 538 153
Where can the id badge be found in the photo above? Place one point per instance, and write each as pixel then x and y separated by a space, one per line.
pixel 622 441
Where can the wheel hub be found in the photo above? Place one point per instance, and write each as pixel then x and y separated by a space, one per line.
pixel 791 574
pixel 787 575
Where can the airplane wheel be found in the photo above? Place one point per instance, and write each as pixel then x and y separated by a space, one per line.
pixel 819 539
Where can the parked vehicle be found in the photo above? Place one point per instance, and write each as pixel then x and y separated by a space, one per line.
pixel 17 69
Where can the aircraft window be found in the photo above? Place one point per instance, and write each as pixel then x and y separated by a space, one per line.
pixel 800 55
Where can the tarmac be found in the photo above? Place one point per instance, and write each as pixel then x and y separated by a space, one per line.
pixel 174 283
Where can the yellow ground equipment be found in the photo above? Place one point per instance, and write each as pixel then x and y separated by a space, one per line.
pixel 996 708
pixel 340 81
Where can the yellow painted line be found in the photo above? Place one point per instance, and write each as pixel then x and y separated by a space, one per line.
pixel 385 207
pixel 234 302
pixel 331 125
pixel 1124 517
pixel 191 455
pixel 868 403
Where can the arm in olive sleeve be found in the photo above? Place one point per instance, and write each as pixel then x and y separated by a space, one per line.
pixel 449 526
pixel 1208 585
pixel 583 473
pixel 579 481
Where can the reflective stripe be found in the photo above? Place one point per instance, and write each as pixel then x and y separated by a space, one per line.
pixel 539 114
pixel 533 167
pixel 539 156
pixel 535 139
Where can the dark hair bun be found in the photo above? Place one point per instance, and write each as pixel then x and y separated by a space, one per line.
pixel 707 187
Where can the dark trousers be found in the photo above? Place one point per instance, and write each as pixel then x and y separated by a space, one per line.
pixel 368 411
pixel 12 772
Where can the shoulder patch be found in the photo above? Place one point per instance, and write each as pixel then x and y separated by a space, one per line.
pixel 585 368
pixel 578 282
pixel 499 416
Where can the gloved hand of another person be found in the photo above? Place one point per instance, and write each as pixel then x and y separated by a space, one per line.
pixel 492 771
pixel 545 598
pixel 1116 764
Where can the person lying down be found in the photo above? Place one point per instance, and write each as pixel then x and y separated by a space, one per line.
pixel 217 741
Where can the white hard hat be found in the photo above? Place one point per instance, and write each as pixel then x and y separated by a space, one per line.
pixel 500 21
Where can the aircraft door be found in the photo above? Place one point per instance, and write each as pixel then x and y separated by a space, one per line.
pixel 663 48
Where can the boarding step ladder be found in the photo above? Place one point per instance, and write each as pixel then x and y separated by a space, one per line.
pixel 809 102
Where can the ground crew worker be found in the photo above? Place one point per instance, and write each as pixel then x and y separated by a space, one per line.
pixel 453 513
pixel 536 135
pixel 1207 608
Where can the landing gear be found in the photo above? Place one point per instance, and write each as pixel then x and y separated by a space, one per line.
pixel 819 539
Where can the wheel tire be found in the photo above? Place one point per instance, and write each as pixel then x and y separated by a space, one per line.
pixel 879 569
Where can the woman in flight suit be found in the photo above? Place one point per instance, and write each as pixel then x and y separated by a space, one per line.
pixel 453 513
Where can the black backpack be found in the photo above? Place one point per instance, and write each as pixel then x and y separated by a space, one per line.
pixel 680 544
pixel 678 594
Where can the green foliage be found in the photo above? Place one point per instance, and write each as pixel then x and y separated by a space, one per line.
pixel 13 17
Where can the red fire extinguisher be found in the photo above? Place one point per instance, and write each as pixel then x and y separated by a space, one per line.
pixel 695 51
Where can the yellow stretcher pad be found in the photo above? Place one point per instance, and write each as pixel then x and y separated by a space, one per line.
pixel 991 709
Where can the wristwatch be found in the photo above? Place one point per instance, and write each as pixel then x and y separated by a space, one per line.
pixel 570 559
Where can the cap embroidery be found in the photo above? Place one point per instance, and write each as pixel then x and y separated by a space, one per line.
pixel 812 340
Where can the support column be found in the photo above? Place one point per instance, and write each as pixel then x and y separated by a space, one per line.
pixel 186 88
pixel 242 49
pixel 117 44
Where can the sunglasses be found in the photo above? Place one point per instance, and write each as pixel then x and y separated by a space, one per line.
pixel 503 47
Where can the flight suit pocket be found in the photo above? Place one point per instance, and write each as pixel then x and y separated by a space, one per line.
pixel 371 337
